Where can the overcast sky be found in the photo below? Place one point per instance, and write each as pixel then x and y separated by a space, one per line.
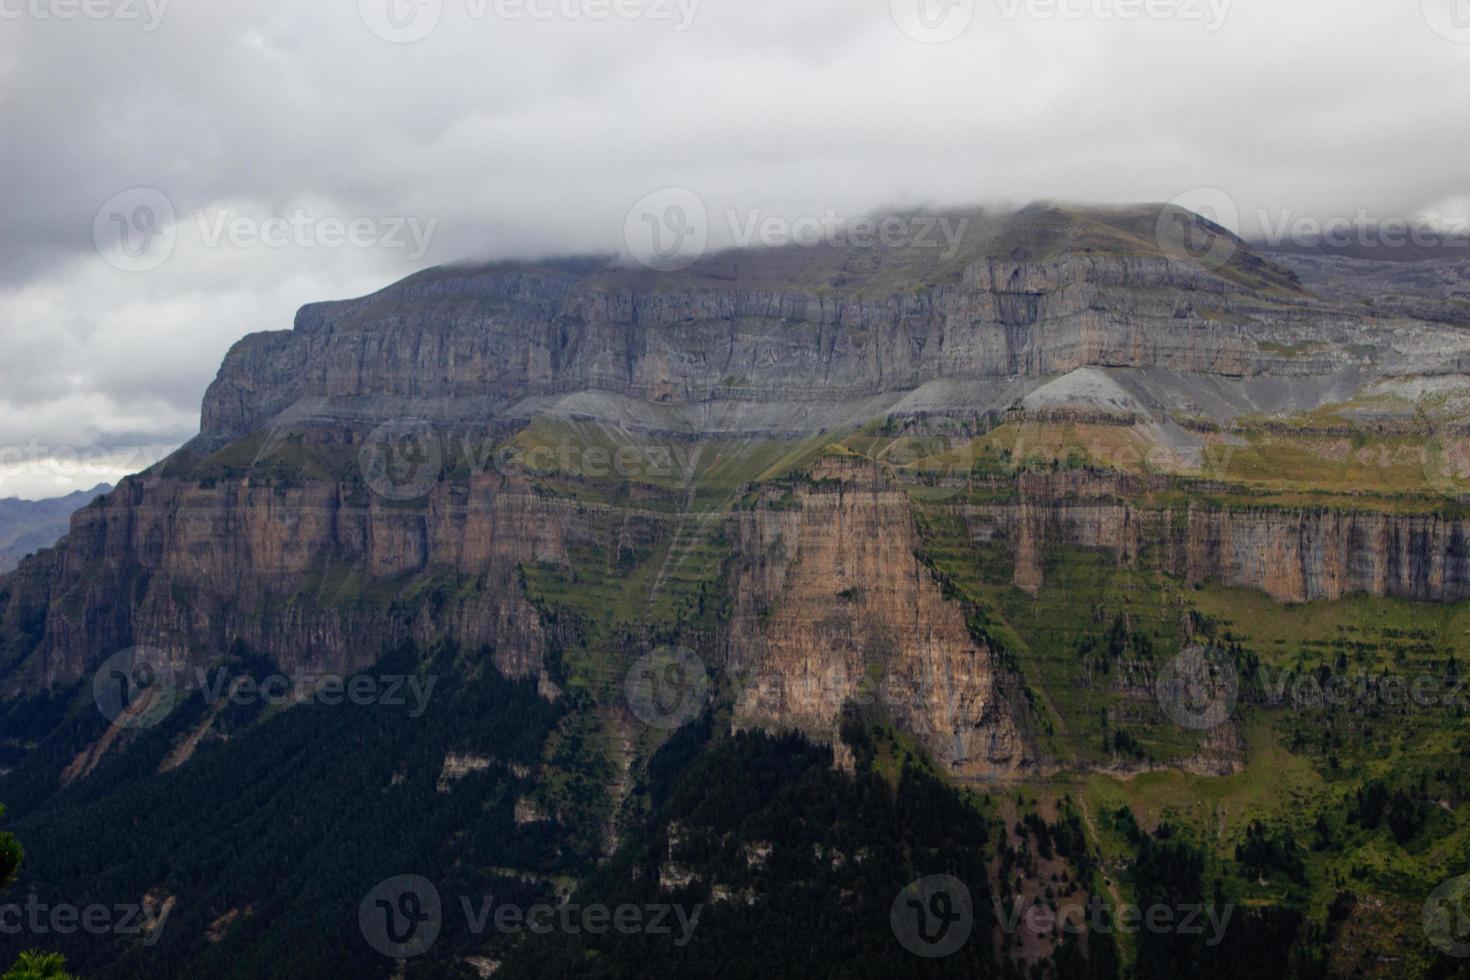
pixel 504 128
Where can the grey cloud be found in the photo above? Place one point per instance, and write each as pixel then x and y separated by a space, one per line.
pixel 526 138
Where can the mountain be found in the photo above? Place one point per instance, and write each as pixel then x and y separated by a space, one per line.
pixel 27 526
pixel 947 520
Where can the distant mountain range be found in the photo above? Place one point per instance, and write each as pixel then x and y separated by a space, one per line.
pixel 27 526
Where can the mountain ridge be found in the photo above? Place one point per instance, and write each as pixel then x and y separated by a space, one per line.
pixel 967 524
pixel 28 526
pixel 516 339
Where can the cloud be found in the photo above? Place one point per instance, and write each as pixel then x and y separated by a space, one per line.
pixel 523 135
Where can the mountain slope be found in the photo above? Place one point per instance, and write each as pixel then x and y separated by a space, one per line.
pixel 978 501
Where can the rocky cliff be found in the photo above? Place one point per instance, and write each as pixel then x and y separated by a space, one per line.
pixel 270 530
pixel 833 607
pixel 809 331
pixel 320 577
pixel 1293 554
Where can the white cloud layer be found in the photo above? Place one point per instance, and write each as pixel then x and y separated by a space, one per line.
pixel 505 132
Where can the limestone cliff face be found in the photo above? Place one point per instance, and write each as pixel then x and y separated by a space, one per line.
pixel 309 576
pixel 832 606
pixel 1308 556
pixel 1293 555
pixel 776 326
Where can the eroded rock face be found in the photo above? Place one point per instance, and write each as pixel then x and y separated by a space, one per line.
pixel 1294 555
pixel 1300 556
pixel 308 576
pixel 830 603
pixel 832 607
pixel 454 345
